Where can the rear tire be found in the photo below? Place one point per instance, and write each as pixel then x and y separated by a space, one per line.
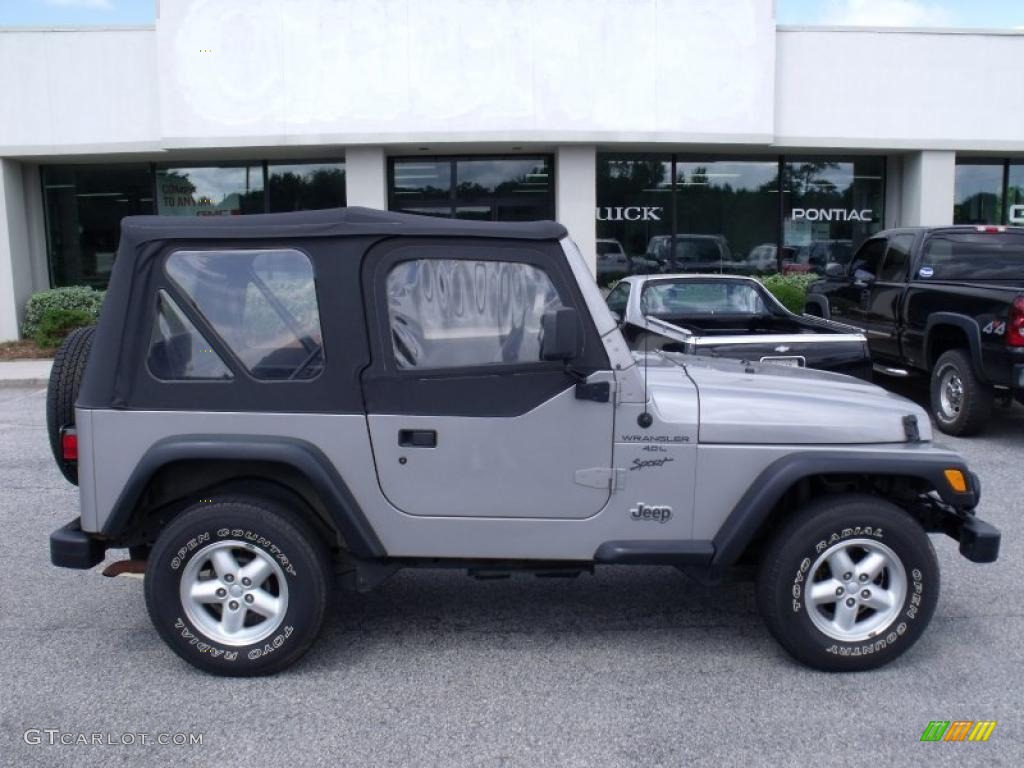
pixel 846 548
pixel 62 392
pixel 238 586
pixel 961 403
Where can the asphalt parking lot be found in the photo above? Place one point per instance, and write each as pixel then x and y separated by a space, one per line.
pixel 627 667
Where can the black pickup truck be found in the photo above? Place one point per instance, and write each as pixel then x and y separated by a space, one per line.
pixel 946 301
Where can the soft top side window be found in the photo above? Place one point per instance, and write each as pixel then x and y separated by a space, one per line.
pixel 177 350
pixel 453 313
pixel 262 303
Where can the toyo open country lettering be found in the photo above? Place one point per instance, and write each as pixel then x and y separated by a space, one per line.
pixel 275 405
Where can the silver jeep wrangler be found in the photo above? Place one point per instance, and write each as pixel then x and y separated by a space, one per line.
pixel 274 404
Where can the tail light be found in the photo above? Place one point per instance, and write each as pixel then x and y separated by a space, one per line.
pixel 69 444
pixel 1015 325
pixel 990 229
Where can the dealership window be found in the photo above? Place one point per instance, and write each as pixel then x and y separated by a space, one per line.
pixel 84 205
pixel 829 206
pixel 634 212
pixel 486 188
pixel 726 212
pixel 689 213
pixel 305 186
pixel 209 190
pixel 978 192
pixel 1015 194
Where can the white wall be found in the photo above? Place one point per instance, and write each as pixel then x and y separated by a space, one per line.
pixel 366 180
pixel 576 197
pixel 15 264
pixel 928 183
pixel 315 71
pixel 898 89
pixel 78 90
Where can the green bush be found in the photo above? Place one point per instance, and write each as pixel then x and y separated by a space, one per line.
pixel 80 297
pixel 55 324
pixel 791 290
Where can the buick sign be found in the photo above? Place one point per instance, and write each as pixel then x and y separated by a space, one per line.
pixel 630 213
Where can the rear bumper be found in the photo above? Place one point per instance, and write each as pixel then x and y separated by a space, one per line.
pixel 71 547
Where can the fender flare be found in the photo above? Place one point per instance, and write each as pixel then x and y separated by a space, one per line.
pixel 300 455
pixel 966 324
pixel 754 508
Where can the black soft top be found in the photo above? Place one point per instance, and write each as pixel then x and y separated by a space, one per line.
pixel 335 239
pixel 331 222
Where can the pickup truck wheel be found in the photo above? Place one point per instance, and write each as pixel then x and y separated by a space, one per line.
pixel 62 392
pixel 849 584
pixel 238 586
pixel 961 404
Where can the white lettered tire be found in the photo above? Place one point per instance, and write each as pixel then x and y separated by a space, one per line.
pixel 238 586
pixel 849 583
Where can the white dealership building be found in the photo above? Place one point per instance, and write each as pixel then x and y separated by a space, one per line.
pixel 633 122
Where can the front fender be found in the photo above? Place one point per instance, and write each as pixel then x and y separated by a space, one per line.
pixel 757 504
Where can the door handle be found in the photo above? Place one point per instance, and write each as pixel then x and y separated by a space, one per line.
pixel 417 438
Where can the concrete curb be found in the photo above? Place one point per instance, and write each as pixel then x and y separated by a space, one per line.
pixel 25 374
pixel 23 383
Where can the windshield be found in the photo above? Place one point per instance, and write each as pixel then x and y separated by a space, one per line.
pixel 969 256
pixel 701 297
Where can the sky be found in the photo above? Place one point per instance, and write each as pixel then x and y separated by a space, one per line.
pixel 996 14
pixel 898 13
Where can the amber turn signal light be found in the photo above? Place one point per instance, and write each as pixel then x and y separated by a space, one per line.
pixel 956 480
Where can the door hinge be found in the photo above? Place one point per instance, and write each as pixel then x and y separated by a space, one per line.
pixel 598 391
pixel 602 477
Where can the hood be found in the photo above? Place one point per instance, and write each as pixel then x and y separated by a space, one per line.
pixel 757 403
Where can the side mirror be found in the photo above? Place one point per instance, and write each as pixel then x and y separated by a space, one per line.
pixel 862 278
pixel 835 270
pixel 561 335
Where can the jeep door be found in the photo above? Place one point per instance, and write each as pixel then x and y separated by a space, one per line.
pixel 465 418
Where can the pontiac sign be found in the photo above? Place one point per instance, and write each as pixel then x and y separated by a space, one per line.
pixel 831 214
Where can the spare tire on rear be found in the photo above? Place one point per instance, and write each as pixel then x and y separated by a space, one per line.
pixel 62 392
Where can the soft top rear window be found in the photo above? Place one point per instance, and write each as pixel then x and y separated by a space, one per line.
pixel 973 256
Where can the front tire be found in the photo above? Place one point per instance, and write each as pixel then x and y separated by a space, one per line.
pixel 849 584
pixel 961 403
pixel 238 586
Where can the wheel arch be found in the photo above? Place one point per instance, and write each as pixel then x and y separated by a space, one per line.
pixel 176 471
pixel 949 330
pixel 793 480
pixel 816 301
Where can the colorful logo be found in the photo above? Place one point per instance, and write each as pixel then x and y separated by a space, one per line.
pixel 958 730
